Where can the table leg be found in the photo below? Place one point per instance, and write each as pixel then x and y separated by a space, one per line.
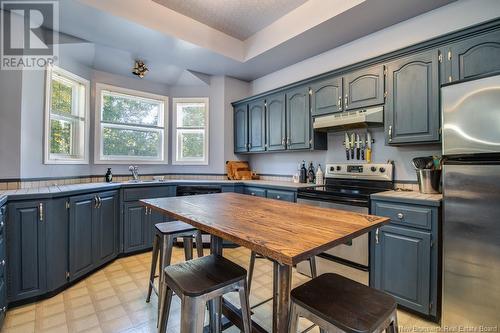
pixel 215 245
pixel 282 278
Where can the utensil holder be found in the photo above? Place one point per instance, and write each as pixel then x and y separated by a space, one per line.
pixel 429 181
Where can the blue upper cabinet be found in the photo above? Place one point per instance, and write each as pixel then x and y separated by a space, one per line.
pixel 276 122
pixel 364 88
pixel 472 57
pixel 298 118
pixel 257 126
pixel 326 96
pixel 412 112
pixel 241 128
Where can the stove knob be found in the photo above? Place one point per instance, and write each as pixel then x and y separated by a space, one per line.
pixel 339 168
pixel 332 169
pixel 373 169
pixel 382 169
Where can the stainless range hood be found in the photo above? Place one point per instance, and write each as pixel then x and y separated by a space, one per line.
pixel 351 119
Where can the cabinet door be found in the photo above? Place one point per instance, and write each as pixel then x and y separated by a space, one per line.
pixel 137 227
pixel 257 126
pixel 475 56
pixel 364 88
pixel 402 266
pixel 276 122
pixel 326 96
pixel 81 235
pixel 26 248
pixel 240 128
pixel 412 105
pixel 298 118
pixel 57 231
pixel 106 228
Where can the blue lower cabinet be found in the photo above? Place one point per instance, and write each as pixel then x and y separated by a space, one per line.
pixel 105 224
pixel 255 191
pixel 93 232
pixel 137 227
pixel 404 255
pixel 3 267
pixel 57 232
pixel 402 266
pixel 26 244
pixel 281 195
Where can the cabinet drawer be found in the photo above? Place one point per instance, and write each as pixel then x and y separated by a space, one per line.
pixel 409 215
pixel 281 195
pixel 134 194
pixel 259 192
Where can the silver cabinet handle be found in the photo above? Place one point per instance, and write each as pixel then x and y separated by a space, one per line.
pixel 278 197
pixel 390 133
pixel 283 141
pixel 146 211
pixel 4 309
pixel 400 216
pixel 287 141
pixel 1 224
pixel 249 146
pixel 2 262
pixel 252 193
pixel 40 211
pixel 96 201
pixel 346 100
pixel 340 103
pixel 150 211
pixel 99 202
pixel 376 236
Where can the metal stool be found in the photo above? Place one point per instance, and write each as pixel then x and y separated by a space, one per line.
pixel 163 243
pixel 200 281
pixel 337 304
pixel 253 256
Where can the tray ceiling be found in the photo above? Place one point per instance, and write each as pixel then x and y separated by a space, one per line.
pixel 237 18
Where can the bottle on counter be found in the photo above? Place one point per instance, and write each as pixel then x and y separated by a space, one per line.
pixel 319 176
pixel 303 173
pixel 310 173
pixel 108 176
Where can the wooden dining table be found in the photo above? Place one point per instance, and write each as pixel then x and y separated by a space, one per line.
pixel 284 232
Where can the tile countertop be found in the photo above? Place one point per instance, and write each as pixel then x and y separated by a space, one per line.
pixel 413 197
pixel 63 190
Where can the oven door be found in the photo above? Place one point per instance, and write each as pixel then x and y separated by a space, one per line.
pixel 354 253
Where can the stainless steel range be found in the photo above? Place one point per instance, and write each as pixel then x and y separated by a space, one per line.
pixel 347 187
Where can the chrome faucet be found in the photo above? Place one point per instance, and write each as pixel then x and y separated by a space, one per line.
pixel 135 171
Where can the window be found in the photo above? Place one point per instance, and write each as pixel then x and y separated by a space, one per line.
pixel 191 132
pixel 130 127
pixel 66 114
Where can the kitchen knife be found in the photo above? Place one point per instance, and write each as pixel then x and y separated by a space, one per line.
pixel 363 147
pixel 368 147
pixel 347 145
pixel 353 140
pixel 358 147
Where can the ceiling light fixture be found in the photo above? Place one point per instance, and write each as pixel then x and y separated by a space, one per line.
pixel 139 69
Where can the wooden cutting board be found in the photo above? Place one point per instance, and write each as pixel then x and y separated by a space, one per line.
pixel 236 170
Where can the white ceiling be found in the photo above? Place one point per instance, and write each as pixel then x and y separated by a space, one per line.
pixel 121 33
pixel 237 18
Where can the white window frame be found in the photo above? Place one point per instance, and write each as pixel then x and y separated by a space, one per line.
pixel 50 158
pixel 98 144
pixel 175 159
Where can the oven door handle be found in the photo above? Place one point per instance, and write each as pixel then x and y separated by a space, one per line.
pixel 338 200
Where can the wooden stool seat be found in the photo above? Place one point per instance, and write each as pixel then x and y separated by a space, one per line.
pixel 200 282
pixel 173 227
pixel 348 305
pixel 203 275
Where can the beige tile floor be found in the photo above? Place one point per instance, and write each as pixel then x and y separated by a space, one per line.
pixel 113 300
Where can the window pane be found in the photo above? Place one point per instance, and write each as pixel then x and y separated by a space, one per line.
pixel 190 114
pixel 60 137
pixel 130 110
pixel 126 142
pixel 192 145
pixel 62 98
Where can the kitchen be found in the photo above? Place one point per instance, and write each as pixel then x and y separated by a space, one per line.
pixel 114 160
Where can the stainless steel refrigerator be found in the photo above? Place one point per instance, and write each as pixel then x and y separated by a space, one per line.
pixel 471 205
